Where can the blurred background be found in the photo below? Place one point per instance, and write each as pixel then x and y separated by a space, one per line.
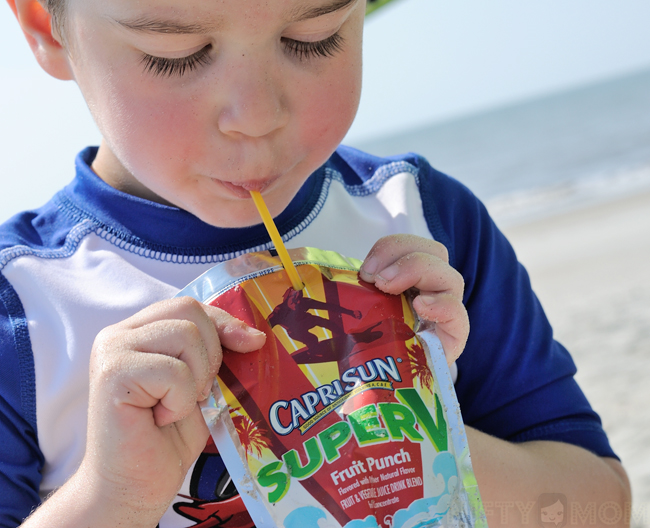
pixel 541 108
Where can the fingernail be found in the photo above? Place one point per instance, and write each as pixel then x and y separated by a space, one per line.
pixel 254 331
pixel 389 273
pixel 208 389
pixel 427 299
pixel 370 266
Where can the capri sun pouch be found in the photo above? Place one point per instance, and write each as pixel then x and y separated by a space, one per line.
pixel 348 416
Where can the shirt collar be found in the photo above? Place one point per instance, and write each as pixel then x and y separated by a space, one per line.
pixel 168 228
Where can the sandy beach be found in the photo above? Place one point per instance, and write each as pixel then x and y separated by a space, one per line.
pixel 590 270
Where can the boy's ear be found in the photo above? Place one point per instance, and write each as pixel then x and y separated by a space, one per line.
pixel 46 44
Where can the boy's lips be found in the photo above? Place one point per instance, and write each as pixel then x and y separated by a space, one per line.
pixel 242 189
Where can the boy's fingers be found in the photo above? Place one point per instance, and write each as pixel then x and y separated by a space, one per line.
pixel 423 271
pixel 390 249
pixel 181 339
pixel 235 335
pixel 181 309
pixel 189 333
pixel 452 322
pixel 193 434
pixel 399 262
pixel 216 326
pixel 156 382
pixel 177 308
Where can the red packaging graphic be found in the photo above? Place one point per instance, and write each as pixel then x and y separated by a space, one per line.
pixel 347 416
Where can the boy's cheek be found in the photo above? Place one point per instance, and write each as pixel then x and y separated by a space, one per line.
pixel 331 108
pixel 139 125
pixel 161 128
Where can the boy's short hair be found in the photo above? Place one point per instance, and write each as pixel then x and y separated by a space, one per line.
pixel 56 8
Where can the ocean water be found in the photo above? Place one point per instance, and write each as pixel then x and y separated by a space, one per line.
pixel 545 155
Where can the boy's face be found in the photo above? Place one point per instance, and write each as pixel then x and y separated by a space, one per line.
pixel 199 101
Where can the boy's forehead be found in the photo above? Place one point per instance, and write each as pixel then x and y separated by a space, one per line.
pixel 198 16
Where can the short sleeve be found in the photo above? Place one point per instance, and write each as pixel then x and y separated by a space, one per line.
pixel 21 460
pixel 514 380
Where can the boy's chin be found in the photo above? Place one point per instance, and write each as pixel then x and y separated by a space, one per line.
pixel 244 217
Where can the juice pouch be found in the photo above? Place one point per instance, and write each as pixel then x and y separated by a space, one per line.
pixel 348 416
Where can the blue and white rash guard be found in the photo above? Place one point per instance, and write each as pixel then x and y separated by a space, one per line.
pixel 94 256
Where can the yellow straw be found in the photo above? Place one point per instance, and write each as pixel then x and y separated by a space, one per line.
pixel 277 241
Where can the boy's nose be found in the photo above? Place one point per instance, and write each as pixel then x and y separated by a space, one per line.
pixel 254 103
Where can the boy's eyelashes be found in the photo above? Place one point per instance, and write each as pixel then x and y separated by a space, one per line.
pixel 177 67
pixel 170 67
pixel 321 48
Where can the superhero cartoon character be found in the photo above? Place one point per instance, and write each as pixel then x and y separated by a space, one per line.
pixel 215 500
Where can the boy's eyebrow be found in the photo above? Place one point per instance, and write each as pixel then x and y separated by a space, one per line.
pixel 159 25
pixel 314 12
pixel 145 24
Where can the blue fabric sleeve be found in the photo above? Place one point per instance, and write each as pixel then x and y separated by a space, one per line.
pixel 21 460
pixel 515 381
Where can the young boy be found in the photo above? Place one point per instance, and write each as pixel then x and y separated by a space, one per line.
pixel 198 102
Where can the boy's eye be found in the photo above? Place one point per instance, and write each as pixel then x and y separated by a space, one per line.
pixel 307 50
pixel 170 67
pixel 166 67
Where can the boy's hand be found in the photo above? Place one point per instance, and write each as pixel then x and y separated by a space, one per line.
pixel 147 375
pixel 399 262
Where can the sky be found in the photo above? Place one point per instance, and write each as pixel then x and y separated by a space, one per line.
pixel 424 61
